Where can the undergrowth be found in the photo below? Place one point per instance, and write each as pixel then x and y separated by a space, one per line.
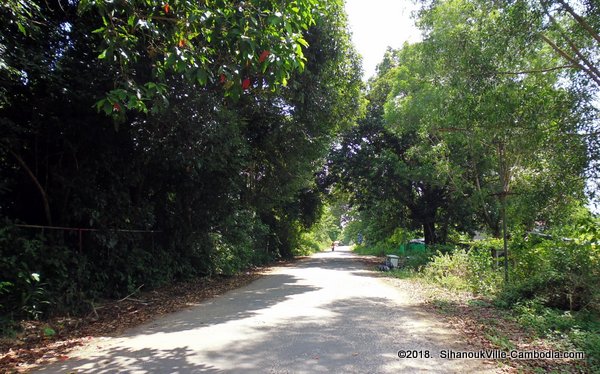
pixel 532 299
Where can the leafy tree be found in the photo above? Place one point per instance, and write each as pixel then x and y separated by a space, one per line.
pixel 513 108
pixel 295 133
pixel 218 174
pixel 470 118
pixel 368 162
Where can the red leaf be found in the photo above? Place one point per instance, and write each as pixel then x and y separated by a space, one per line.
pixel 263 56
pixel 167 8
pixel 223 78
pixel 116 107
pixel 246 84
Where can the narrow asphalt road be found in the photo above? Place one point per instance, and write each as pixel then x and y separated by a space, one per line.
pixel 319 315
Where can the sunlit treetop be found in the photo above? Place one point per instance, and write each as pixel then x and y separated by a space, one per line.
pixel 241 45
pixel 237 46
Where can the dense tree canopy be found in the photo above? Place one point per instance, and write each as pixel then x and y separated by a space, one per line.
pixel 479 113
pixel 218 116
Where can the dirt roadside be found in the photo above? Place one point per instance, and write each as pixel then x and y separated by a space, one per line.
pixel 33 346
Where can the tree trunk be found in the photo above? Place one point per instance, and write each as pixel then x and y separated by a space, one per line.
pixel 429 232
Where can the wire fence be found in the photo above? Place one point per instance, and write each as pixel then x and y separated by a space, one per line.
pixel 80 231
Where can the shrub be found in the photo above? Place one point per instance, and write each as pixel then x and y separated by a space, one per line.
pixel 469 270
pixel 397 244
pixel 563 272
pixel 24 268
pixel 417 257
pixel 579 330
pixel 449 270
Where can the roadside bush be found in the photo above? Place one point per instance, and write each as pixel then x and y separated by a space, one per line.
pixel 589 342
pixel 581 330
pixel 319 236
pixel 484 275
pixel 44 272
pixel 351 232
pixel 378 249
pixel 467 270
pixel 241 244
pixel 449 270
pixel 308 245
pixel 563 272
pixel 25 266
pixel 312 242
pixel 416 257
pixel 521 290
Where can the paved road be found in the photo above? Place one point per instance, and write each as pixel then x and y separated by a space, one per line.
pixel 324 314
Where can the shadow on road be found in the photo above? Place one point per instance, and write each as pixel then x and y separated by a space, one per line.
pixel 296 320
pixel 349 342
pixel 333 263
pixel 232 306
pixel 140 361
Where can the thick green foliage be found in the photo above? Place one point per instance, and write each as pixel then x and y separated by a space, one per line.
pixel 473 118
pixel 554 287
pixel 200 185
pixel 563 273
pixel 556 270
pixel 476 120
pixel 488 115
pixel 413 255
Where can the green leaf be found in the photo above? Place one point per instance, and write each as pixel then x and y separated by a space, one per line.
pixel 21 28
pixel 273 20
pixel 48 332
pixel 302 41
pixel 105 106
pixel 202 77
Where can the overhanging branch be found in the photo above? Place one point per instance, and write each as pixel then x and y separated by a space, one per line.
pixel 571 59
pixel 37 184
pixel 580 20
